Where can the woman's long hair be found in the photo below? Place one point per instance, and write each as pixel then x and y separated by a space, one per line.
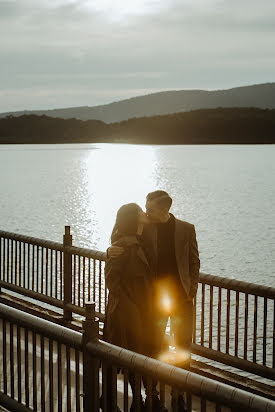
pixel 126 221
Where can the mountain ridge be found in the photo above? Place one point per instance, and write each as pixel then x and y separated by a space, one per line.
pixel 165 102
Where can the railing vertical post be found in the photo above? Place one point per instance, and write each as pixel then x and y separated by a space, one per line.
pixel 67 262
pixel 90 364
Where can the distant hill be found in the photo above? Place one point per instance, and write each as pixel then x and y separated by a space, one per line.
pixel 206 126
pixel 260 96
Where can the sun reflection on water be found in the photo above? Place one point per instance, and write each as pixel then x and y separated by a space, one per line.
pixel 117 175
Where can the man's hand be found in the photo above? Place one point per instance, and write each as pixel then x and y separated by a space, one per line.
pixel 114 251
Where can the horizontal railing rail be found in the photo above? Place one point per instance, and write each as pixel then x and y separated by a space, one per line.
pixel 234 362
pixel 31 240
pixel 233 318
pixel 238 285
pixel 206 389
pixel 87 253
pixel 46 366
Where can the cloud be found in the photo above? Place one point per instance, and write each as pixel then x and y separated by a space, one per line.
pixel 67 53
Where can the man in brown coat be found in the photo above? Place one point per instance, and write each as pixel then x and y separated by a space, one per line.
pixel 176 259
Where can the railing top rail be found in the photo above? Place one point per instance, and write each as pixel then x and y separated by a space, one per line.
pixel 89 253
pixel 46 328
pixel 238 285
pixel 171 375
pixel 31 240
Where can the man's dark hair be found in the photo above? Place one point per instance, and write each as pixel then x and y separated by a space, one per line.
pixel 161 198
pixel 126 221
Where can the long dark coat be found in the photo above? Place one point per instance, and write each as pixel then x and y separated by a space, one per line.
pixel 130 321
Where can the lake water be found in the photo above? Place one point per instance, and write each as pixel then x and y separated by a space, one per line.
pixel 227 192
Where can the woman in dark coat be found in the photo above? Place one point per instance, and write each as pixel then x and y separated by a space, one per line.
pixel 129 278
pixel 129 320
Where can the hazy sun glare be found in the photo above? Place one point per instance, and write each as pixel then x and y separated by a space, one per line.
pixel 166 302
pixel 121 8
pixel 175 357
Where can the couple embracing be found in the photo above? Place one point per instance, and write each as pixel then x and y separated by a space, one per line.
pixel 152 272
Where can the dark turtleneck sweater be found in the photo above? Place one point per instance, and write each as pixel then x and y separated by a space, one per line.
pixel 167 268
pixel 166 257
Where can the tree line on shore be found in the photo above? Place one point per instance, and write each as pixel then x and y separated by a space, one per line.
pixel 205 126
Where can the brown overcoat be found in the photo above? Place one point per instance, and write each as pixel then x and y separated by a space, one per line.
pixel 186 251
pixel 130 322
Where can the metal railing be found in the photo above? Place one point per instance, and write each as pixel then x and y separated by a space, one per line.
pixel 235 324
pixel 48 367
pixel 234 320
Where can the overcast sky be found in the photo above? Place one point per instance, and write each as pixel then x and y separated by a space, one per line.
pixel 65 53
